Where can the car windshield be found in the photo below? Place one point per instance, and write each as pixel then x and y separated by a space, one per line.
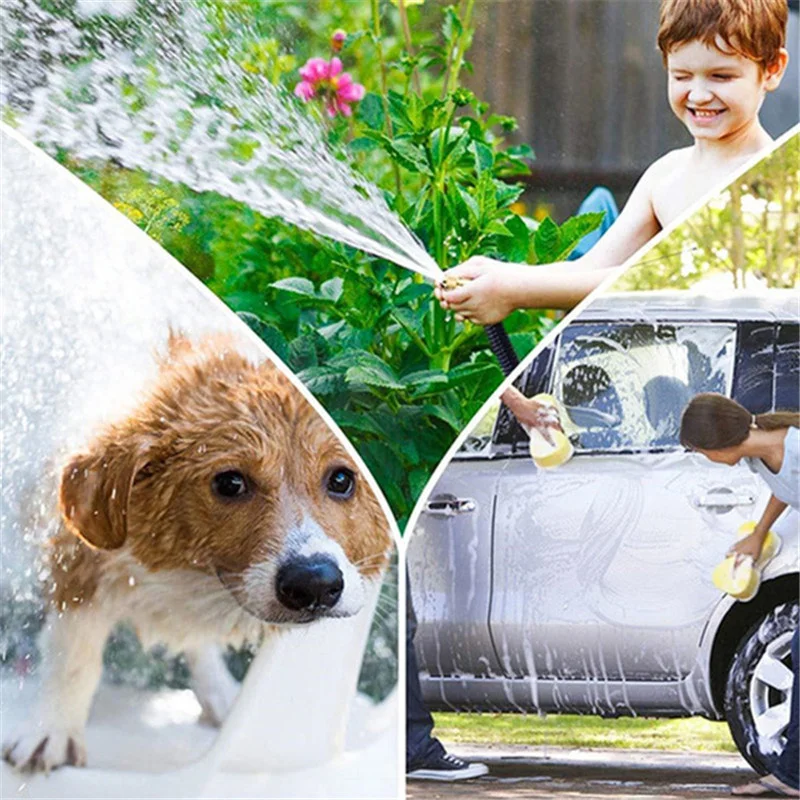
pixel 625 385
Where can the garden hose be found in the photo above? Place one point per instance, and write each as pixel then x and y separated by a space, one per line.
pixel 502 348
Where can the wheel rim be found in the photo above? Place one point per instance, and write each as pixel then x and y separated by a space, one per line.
pixel 770 693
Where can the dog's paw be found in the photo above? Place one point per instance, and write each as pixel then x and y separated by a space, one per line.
pixel 44 751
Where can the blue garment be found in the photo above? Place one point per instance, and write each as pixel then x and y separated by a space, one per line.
pixel 421 746
pixel 599 199
pixel 788 769
pixel 784 484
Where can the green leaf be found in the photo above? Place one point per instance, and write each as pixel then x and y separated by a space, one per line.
pixel 328 332
pixel 296 285
pixel 520 151
pixel 356 421
pixel 303 353
pixel 409 155
pixel 485 195
pixel 363 144
pixel 367 368
pixel 381 377
pixel 425 378
pixel 547 241
pixel 457 149
pixel 446 414
pixel 370 111
pixel 268 334
pixel 451 26
pixel 387 468
pixel 418 480
pixel 516 250
pixel 507 193
pixel 497 228
pixel 360 300
pixel 398 111
pixel 411 293
pixel 575 228
pixel 471 205
pixel 524 342
pixel 472 373
pixel 324 380
pixel 484 157
pixel 332 289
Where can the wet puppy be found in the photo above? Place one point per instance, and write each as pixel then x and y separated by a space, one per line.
pixel 222 508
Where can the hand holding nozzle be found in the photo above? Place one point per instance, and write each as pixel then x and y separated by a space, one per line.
pixel 480 290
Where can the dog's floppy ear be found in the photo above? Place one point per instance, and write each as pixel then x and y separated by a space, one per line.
pixel 95 489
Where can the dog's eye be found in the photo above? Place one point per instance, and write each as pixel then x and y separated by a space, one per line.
pixel 230 484
pixel 341 483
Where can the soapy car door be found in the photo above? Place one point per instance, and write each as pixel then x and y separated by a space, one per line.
pixel 602 565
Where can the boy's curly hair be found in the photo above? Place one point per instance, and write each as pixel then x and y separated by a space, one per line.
pixel 755 29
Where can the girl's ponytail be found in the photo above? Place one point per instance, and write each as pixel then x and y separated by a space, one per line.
pixel 777 420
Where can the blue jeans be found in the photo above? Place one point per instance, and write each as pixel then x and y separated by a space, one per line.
pixel 599 199
pixel 421 746
pixel 788 769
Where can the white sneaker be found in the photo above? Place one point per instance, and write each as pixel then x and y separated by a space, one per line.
pixel 447 768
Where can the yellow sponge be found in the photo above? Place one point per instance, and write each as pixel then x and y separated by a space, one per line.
pixel 740 581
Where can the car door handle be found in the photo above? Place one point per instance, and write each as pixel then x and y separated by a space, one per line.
pixel 450 506
pixel 725 499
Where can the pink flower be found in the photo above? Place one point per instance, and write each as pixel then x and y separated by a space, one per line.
pixel 325 79
pixel 337 39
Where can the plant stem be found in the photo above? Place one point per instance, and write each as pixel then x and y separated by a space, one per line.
pixel 401 7
pixel 461 47
pixel 376 28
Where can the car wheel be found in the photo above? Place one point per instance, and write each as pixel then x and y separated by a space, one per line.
pixel 759 686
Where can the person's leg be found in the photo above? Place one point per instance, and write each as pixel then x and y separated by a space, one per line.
pixel 421 745
pixel 599 199
pixel 788 769
pixel 426 758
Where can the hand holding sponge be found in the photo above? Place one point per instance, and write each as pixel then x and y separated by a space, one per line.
pixel 742 580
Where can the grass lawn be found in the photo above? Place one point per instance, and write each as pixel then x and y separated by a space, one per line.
pixel 566 730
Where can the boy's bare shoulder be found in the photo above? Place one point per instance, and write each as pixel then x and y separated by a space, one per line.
pixel 671 185
pixel 666 166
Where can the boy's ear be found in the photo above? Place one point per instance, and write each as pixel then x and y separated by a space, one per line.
pixel 773 73
pixel 94 495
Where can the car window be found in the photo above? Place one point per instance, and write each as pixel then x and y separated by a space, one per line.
pixel 754 375
pixel 624 385
pixel 787 367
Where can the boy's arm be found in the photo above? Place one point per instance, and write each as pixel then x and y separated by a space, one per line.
pixel 494 289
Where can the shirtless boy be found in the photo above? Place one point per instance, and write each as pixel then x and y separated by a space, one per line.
pixel 722 57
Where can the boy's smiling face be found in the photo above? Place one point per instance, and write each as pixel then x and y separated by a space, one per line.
pixel 717 93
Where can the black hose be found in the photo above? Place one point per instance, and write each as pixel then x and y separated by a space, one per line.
pixel 502 348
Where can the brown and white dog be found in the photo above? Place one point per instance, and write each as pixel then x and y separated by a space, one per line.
pixel 223 507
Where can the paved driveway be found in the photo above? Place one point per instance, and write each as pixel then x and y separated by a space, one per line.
pixel 534 772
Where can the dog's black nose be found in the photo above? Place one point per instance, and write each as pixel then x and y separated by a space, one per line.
pixel 308 584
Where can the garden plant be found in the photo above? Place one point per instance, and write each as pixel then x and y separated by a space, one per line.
pixel 400 376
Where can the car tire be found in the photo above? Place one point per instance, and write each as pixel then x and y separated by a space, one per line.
pixel 759 685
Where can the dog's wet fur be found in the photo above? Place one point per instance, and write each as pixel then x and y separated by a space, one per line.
pixel 220 509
